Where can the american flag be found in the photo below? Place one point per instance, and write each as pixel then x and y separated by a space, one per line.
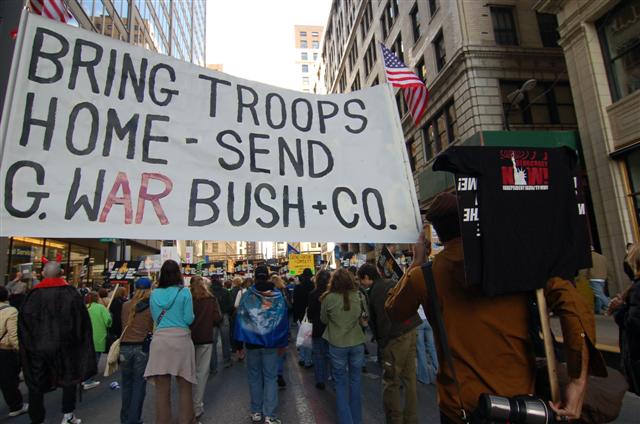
pixel 415 92
pixel 52 9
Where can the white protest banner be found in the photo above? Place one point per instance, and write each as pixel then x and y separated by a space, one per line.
pixel 105 139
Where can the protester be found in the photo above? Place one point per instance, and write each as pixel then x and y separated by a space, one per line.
pixel 279 284
pixel 100 324
pixel 9 357
pixel 134 351
pixel 103 297
pixel 300 303
pixel 342 311
pixel 206 315
pixel 481 329
pixel 119 297
pixel 55 307
pixel 397 344
pixel 172 352
pixel 262 324
pixel 599 274
pixel 241 290
pixel 222 330
pixel 626 310
pixel 319 346
pixel 426 351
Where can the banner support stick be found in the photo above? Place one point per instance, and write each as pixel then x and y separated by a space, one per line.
pixel 548 346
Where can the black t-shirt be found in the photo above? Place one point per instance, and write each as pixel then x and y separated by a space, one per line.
pixel 526 224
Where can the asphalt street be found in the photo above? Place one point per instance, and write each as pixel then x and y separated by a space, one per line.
pixel 227 400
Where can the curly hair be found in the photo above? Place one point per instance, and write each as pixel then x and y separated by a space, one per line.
pixel 343 282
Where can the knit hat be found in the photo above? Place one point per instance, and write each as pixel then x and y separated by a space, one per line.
pixel 262 272
pixel 143 283
pixel 443 215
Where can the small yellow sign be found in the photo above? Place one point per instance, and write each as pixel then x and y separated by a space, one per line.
pixel 298 262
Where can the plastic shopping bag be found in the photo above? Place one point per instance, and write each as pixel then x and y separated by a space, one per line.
pixel 305 333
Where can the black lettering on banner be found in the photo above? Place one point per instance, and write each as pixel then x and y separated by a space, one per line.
pixel 294 114
pixel 37 53
pixel 367 212
pixel 246 211
pixel 223 163
pixel 253 152
pixel 37 196
pixel 251 105
pixel 296 162
pixel 283 111
pixel 286 206
pixel 359 117
pixel 89 64
pixel 111 72
pixel 130 128
pixel 137 83
pixel 148 138
pixel 194 201
pixel 336 206
pixel 311 161
pixel 48 123
pixel 213 97
pixel 152 84
pixel 83 202
pixel 93 135
pixel 323 116
pixel 274 214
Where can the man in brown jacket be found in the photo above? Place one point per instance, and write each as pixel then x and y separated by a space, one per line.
pixel 488 337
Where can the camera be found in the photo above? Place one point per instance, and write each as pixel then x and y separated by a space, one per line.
pixel 519 409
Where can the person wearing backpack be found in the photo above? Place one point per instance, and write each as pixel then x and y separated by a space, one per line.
pixel 483 331
pixel 222 330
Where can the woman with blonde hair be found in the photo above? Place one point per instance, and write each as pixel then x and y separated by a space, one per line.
pixel 207 314
pixel 626 310
pixel 343 311
pixel 134 351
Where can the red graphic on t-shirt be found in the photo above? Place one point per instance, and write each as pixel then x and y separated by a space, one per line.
pixel 524 170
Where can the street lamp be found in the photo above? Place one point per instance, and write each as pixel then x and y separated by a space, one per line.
pixel 515 97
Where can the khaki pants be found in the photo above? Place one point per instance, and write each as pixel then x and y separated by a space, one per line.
pixel 203 362
pixel 163 400
pixel 399 370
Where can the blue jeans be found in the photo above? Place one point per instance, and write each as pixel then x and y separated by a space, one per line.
pixel 262 370
pixel 305 355
pixel 134 385
pixel 321 364
pixel 426 352
pixel 601 299
pixel 346 364
pixel 281 360
pixel 221 332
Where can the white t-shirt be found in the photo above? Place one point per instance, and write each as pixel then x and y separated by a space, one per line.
pixel 423 316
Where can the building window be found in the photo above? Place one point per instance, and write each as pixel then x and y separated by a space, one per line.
pixel 548 26
pixel 366 20
pixel 303 33
pixel 415 22
pixel 353 56
pixel 356 83
pixel 383 25
pixel 504 26
pixel 304 56
pixel 394 10
pixel 421 69
pixel 315 44
pixel 315 56
pixel 621 48
pixel 305 80
pixel 546 103
pixel 314 33
pixel 632 162
pixel 433 7
pixel 441 52
pixel 370 57
pixel 305 68
pixel 440 131
pixel 402 107
pixel 411 152
pixel 398 48
pixel 303 44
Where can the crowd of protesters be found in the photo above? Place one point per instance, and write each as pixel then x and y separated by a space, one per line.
pixel 169 331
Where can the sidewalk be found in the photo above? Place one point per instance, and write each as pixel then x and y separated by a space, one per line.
pixel 606 333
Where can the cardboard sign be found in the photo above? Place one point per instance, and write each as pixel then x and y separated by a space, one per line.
pixel 124 270
pixel 106 139
pixel 298 263
pixel 389 265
